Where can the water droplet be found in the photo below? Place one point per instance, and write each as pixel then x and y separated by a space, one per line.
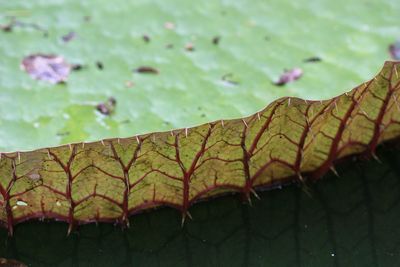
pixel 22 203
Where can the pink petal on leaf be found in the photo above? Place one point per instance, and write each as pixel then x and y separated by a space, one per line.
pixel 50 68
pixel 289 76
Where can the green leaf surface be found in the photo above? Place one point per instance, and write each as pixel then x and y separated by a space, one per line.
pixel 258 40
pixel 348 221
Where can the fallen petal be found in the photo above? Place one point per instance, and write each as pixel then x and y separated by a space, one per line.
pixel 50 68
pixel 289 76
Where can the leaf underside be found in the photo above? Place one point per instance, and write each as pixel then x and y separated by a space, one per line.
pixel 111 179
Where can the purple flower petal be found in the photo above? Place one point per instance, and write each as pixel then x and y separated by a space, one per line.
pixel 289 76
pixel 50 68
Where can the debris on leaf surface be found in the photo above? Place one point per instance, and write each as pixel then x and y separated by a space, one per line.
pixel 289 76
pixel 169 25
pixel 99 65
pixel 8 27
pixel 147 69
pixel 216 40
pixel 312 59
pixel 108 107
pixel 394 50
pixel 69 37
pixel 146 38
pixel 13 22
pixel 189 47
pixel 76 67
pixel 229 79
pixel 50 68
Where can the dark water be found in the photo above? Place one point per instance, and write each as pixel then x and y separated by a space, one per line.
pixel 353 220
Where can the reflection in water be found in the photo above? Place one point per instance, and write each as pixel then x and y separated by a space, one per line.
pixel 347 221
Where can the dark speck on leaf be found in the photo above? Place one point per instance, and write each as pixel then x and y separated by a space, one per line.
pixel 289 76
pixel 108 107
pixel 16 23
pixel 216 40
pixel 312 59
pixel 169 46
pixel 394 50
pixel 147 69
pixel 50 68
pixel 203 115
pixel 76 67
pixel 69 37
pixel 87 18
pixel 99 65
pixel 229 79
pixel 146 38
pixel 7 27
pixel 112 100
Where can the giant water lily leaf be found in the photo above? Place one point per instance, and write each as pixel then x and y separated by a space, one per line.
pixel 347 221
pixel 291 139
pixel 251 44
